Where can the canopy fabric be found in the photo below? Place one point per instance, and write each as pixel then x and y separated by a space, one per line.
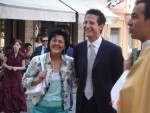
pixel 81 6
pixel 42 10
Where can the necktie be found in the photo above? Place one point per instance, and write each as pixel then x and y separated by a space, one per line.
pixel 89 84
pixel 45 49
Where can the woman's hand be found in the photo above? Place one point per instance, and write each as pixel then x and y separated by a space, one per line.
pixel 76 81
pixel 10 67
pixel 42 75
pixel 14 68
pixel 39 78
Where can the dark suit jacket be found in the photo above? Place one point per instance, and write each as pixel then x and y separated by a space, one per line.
pixel 37 51
pixel 108 66
pixel 70 51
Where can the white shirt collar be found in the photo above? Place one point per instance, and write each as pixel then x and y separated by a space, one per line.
pixel 44 46
pixel 96 43
pixel 146 43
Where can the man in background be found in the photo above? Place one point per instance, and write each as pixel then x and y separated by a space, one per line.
pixel 70 53
pixel 43 48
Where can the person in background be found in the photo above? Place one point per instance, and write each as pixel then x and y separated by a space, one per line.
pixel 28 49
pixel 1 76
pixel 1 59
pixel 70 53
pixel 12 92
pixel 98 65
pixel 28 52
pixel 41 49
pixel 8 48
pixel 135 92
pixel 44 31
pixel 61 66
pixel 1 66
pixel 37 42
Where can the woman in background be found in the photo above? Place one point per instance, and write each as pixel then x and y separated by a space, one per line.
pixel 37 41
pixel 28 52
pixel 1 59
pixel 12 92
pixel 28 49
pixel 1 67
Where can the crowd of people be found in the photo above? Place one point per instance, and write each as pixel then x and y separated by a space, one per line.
pixel 94 65
pixel 53 48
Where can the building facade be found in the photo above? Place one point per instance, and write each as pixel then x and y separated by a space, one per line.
pixel 117 32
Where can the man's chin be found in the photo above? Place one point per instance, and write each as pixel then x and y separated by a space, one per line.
pixel 87 35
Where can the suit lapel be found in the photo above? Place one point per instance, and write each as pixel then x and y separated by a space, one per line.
pixel 100 54
pixel 40 50
pixel 85 56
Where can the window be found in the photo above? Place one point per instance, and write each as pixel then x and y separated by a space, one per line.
pixel 114 35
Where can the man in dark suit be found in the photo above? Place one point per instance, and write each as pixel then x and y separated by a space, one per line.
pixel 70 51
pixel 95 79
pixel 41 49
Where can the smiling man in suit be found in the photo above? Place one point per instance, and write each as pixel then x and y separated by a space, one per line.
pixel 43 48
pixel 98 65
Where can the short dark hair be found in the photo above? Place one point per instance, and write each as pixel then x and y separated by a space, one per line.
pixel 101 18
pixel 62 32
pixel 147 7
pixel 8 47
pixel 43 36
pixel 44 29
pixel 26 45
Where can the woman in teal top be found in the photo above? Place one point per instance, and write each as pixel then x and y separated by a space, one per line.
pixel 61 72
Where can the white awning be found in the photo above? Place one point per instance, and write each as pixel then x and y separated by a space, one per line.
pixel 81 6
pixel 46 10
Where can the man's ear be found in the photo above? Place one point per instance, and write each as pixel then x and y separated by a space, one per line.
pixel 101 26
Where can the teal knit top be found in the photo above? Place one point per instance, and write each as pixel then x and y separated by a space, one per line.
pixel 52 97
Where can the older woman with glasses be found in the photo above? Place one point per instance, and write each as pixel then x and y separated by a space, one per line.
pixel 57 97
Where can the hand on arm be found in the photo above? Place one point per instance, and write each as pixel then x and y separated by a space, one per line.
pixel 39 78
pixel 20 68
pixel 128 63
pixel 76 81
